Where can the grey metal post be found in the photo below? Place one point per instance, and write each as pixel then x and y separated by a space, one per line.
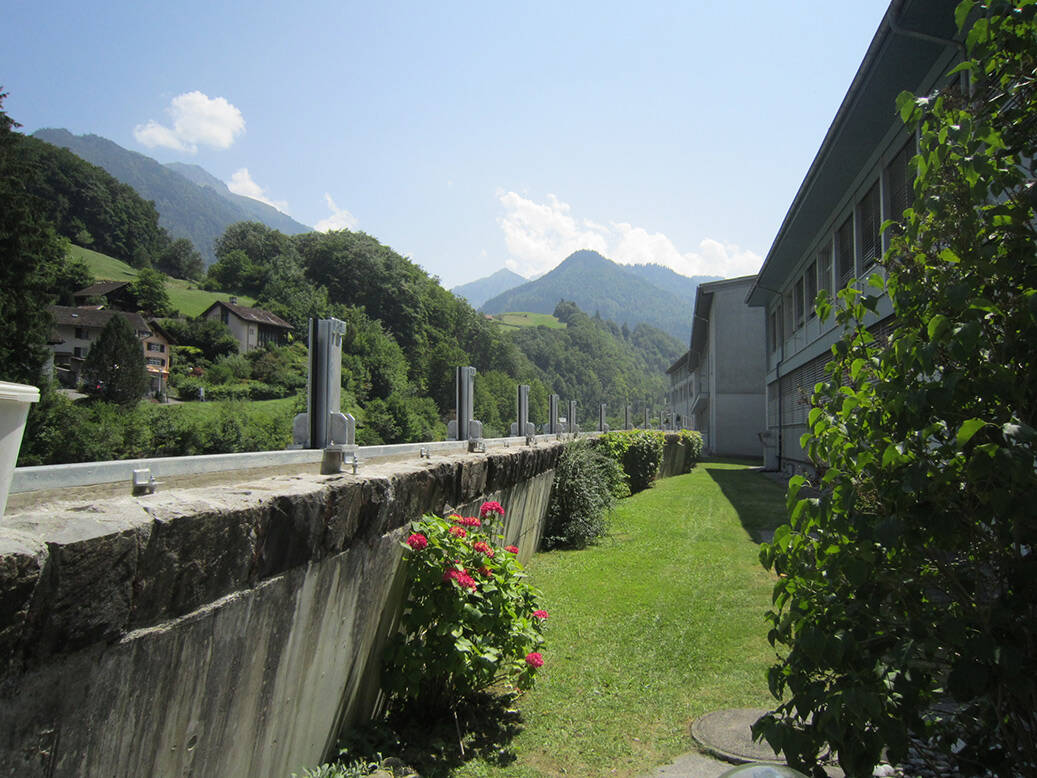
pixel 552 419
pixel 464 427
pixel 626 419
pixel 646 417
pixel 323 424
pixel 572 417
pixel 601 419
pixel 523 410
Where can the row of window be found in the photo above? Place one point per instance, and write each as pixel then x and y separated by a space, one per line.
pixel 852 250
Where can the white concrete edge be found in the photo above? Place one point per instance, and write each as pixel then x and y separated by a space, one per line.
pixel 41 477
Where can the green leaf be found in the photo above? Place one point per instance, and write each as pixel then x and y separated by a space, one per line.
pixel 938 326
pixel 949 256
pixel 967 430
pixel 961 15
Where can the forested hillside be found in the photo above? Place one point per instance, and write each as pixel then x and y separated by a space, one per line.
pixel 199 212
pixel 600 286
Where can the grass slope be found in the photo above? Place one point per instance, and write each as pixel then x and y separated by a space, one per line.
pixel 518 320
pixel 183 295
pixel 659 624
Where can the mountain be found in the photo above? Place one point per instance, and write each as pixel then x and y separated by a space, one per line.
pixel 479 291
pixel 619 293
pixel 187 209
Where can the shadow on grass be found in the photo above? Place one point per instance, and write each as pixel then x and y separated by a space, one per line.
pixel 432 743
pixel 758 500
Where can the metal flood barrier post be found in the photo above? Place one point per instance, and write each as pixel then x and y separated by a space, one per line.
pixel 602 426
pixel 626 419
pixel 522 427
pixel 324 425
pixel 571 419
pixel 464 427
pixel 646 417
pixel 552 418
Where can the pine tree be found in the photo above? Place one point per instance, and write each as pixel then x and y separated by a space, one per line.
pixel 116 363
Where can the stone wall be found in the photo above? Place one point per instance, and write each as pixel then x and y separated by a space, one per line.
pixel 227 630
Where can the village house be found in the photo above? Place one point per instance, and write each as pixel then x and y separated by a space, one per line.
pixel 251 327
pixel 716 387
pixel 75 329
pixel 859 178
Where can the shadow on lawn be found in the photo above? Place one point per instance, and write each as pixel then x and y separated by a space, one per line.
pixel 758 500
pixel 428 742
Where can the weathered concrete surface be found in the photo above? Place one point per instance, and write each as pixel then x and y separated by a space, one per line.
pixel 221 631
pixel 677 456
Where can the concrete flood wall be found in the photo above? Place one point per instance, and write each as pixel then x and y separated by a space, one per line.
pixel 228 630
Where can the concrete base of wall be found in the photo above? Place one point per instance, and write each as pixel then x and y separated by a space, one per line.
pixel 221 631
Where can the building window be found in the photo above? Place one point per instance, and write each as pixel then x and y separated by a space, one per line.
pixel 899 185
pixel 797 302
pixel 156 362
pixel 159 347
pixel 225 316
pixel 870 220
pixel 824 268
pixel 788 320
pixel 78 352
pixel 774 338
pixel 82 333
pixel 810 280
pixel 844 251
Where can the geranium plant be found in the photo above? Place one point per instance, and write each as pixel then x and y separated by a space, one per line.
pixel 471 618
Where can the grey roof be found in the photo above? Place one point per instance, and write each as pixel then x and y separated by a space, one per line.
pixel 914 37
pixel 257 315
pixel 65 315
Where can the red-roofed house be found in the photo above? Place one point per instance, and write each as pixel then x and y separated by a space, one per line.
pixel 251 327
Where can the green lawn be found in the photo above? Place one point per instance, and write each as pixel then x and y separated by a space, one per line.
pixel 660 623
pixel 183 295
pixel 518 320
pixel 258 411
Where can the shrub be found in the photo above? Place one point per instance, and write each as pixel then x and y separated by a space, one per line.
pixel 586 486
pixel 640 453
pixel 471 618
pixel 693 440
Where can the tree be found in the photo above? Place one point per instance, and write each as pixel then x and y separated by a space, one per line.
pixel 115 362
pixel 149 289
pixel 31 255
pixel 910 578
pixel 181 260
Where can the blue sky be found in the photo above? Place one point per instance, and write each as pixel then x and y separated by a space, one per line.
pixel 467 136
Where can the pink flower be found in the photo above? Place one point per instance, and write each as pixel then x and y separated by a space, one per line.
pixel 534 659
pixel 461 577
pixel 457 532
pixel 483 548
pixel 486 572
pixel 542 615
pixel 491 507
pixel 512 549
pixel 465 521
pixel 417 541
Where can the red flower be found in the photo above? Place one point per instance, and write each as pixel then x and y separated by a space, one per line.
pixel 465 521
pixel 483 548
pixel 542 615
pixel 491 507
pixel 417 541
pixel 534 659
pixel 512 549
pixel 457 532
pixel 461 577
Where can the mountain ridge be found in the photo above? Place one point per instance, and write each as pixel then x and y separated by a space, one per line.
pixel 482 289
pixel 186 208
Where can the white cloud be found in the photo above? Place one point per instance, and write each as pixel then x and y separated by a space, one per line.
pixel 197 120
pixel 340 218
pixel 540 235
pixel 241 183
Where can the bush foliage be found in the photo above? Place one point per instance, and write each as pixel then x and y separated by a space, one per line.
pixel 910 579
pixel 586 486
pixel 639 452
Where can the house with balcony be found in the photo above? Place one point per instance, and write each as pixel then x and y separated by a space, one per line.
pixel 860 177
pixel 76 329
pixel 251 327
pixel 716 387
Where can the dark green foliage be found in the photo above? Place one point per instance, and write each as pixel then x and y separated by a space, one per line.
pixel 115 361
pixel 210 336
pixel 149 291
pixel 910 579
pixel 586 486
pixel 639 452
pixel 83 201
pixel 32 264
pixel 180 260
pixel 615 292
